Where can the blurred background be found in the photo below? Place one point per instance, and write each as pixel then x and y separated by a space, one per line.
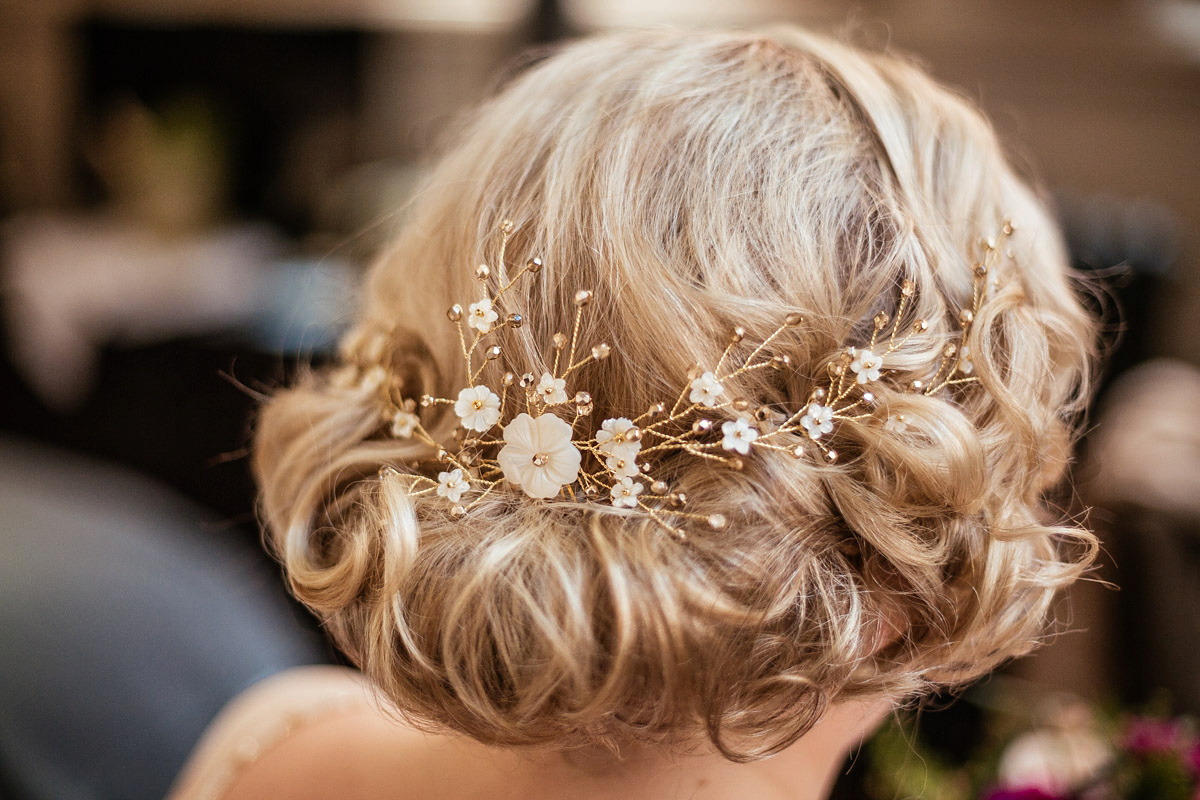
pixel 190 191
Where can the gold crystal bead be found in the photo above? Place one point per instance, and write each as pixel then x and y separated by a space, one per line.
pixel 657 410
pixel 781 361
pixel 426 400
pixel 601 351
pixel 527 380
pixel 798 451
pixel 762 413
pixel 701 425
pixel 917 385
pixel 837 368
pixel 966 317
pixel 739 333
pixel 794 319
pixel 717 521
pixel 736 463
pixel 921 325
pixel 508 379
pixel 868 399
pixel 515 320
pixel 582 398
pixel 458 512
pixel 583 409
pixel 831 456
pixel 534 265
pixel 820 393
pixel 560 340
pixel 483 272
pixel 454 313
pixel 678 499
pixel 582 298
pixel 881 319
pixel 660 487
pixel 493 352
pixel 981 270
pixel 950 349
pixel 907 288
pixel 740 404
pixel 590 490
pixel 632 435
pixel 506 226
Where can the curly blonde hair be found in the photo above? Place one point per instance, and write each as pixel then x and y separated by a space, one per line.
pixel 698 181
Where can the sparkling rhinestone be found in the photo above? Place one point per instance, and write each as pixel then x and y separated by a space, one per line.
pixel 582 399
pixel 508 379
pixel 921 325
pixel 527 380
pixel 454 313
pixel 482 272
pixel 794 319
pixel 560 340
pixel 717 521
pixel 583 409
pixel 493 352
pixel 701 425
pixel 868 399
pixel 426 400
pixel 680 534
pixel 831 456
pixel 515 320
pixel 645 468
pixel 798 451
pixel 739 333
pixel 660 487
pixel 534 265
pixel 966 317
pixel 601 351
pixel 837 368
pixel 881 319
pixel 582 298
pixel 458 512
pixel 907 288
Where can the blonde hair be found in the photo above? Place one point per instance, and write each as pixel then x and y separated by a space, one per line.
pixel 697 181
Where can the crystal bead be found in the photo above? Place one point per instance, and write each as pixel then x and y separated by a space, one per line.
pixel 781 361
pixel 493 352
pixel 560 340
pixel 881 319
pixel 426 400
pixel 515 320
pixel 534 265
pixel 794 319
pixel 736 463
pixel 582 298
pixel 660 487
pixel 458 512
pixel 483 272
pixel 454 313
pixel 740 404
pixel 508 379
pixel 907 288
pixel 820 393
pixel 739 333
pixel 717 521
pixel 701 426
pixel 831 456
pixel 527 380
pixel 601 351
pixel 966 317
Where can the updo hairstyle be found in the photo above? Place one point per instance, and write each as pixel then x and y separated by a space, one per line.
pixel 696 182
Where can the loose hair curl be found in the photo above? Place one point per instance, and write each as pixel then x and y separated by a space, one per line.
pixel 696 181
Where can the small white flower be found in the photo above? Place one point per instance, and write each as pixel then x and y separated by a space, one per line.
pixel 818 421
pixel 866 366
pixel 706 390
pixel 610 439
pixel 896 424
pixel 552 390
pixel 452 485
pixel 625 492
pixel 539 455
pixel 404 423
pixel 478 407
pixel 964 360
pixel 481 315
pixel 738 435
pixel 622 466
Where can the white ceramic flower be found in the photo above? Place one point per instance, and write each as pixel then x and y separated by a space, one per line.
pixel 818 421
pixel 610 439
pixel 452 485
pixel 538 454
pixel 478 407
pixel 404 423
pixel 964 360
pixel 706 390
pixel 737 435
pixel 552 390
pixel 866 366
pixel 621 466
pixel 481 315
pixel 625 492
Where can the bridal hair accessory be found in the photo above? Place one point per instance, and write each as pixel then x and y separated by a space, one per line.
pixel 534 432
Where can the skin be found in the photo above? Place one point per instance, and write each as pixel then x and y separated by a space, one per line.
pixel 361 753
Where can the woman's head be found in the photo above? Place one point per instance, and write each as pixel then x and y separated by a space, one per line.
pixel 698 182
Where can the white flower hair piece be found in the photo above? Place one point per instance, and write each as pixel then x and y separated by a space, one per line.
pixel 532 434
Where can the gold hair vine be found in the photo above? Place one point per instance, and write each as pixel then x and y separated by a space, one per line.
pixel 531 431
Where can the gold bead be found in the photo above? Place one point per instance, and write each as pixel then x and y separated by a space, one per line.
pixel 660 487
pixel 837 368
pixel 881 319
pixel 458 512
pixel 506 226
pixel 657 410
pixel 831 456
pixel 740 404
pixel 907 288
pixel 454 313
pixel 632 435
pixel 794 319
pixel 917 385
pixel 819 393
pixel 534 265
pixel 482 272
pixel 601 351
pixel 981 270
pixel 701 426
pixel 1008 227
pixel 736 463
pixel 527 380
pixel 921 325
pixel 515 320
pixel 582 298
pixel 781 361
pixel 739 333
pixel 950 349
pixel 762 413
pixel 493 352
pixel 678 499
pixel 508 379
pixel 966 317
pixel 717 521
pixel 680 534
pixel 559 340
